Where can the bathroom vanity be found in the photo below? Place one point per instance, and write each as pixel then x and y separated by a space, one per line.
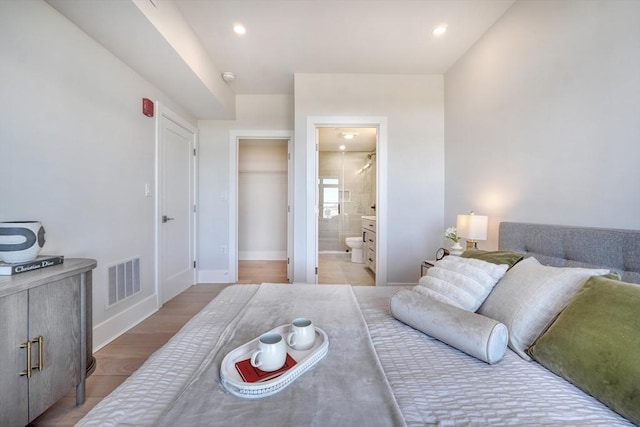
pixel 369 238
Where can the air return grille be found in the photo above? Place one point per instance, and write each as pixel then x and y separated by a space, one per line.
pixel 124 280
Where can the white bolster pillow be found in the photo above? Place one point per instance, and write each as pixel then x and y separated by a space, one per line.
pixel 476 335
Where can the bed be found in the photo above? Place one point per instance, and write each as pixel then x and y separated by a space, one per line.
pixel 378 371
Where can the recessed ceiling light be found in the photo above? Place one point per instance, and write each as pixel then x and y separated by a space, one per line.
pixel 239 29
pixel 440 30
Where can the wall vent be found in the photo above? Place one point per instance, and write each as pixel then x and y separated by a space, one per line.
pixel 123 280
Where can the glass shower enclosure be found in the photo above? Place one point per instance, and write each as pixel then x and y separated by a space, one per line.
pixel 346 192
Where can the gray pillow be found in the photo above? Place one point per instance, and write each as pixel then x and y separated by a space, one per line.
pixel 476 335
pixel 529 296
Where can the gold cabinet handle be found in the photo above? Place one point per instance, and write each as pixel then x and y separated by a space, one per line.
pixel 27 372
pixel 40 341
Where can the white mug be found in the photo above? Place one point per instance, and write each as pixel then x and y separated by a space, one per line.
pixel 302 335
pixel 271 353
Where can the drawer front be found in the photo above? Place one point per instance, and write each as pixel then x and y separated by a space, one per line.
pixel 371 259
pixel 371 239
pixel 369 225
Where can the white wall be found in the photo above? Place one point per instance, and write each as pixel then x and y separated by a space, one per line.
pixel 543 117
pixel 253 113
pixel 75 149
pixel 413 106
pixel 262 199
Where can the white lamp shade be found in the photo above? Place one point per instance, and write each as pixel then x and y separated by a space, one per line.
pixel 472 227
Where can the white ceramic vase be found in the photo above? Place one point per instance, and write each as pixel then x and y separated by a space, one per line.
pixel 20 241
pixel 456 249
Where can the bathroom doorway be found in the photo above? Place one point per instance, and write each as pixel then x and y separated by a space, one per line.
pixel 347 175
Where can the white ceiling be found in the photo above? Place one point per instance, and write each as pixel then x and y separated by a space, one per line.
pixel 183 46
pixel 335 36
pixel 331 138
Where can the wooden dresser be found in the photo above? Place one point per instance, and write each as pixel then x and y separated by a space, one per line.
pixel 45 338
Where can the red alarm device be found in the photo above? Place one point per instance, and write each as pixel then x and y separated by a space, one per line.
pixel 147 107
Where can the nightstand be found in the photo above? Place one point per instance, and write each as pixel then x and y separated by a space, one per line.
pixel 426 264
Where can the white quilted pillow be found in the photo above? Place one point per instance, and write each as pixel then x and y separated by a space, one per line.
pixel 461 282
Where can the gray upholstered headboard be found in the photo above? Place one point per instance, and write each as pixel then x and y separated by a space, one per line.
pixel 565 246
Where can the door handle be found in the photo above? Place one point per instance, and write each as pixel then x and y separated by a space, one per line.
pixel 40 341
pixel 27 372
pixel 166 218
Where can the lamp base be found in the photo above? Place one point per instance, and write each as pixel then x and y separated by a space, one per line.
pixel 472 244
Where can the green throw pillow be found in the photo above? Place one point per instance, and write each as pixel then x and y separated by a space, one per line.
pixel 613 275
pixel 494 257
pixel 595 344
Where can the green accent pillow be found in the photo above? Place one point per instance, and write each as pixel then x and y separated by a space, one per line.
pixel 613 275
pixel 494 257
pixel 595 344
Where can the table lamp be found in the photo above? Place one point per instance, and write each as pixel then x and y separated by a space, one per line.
pixel 473 228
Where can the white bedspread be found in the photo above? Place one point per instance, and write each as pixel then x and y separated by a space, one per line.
pixel 432 383
pixel 347 387
pixel 146 394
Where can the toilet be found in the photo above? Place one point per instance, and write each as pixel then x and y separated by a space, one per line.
pixel 355 246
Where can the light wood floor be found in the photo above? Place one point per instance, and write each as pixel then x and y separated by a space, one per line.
pixel 332 269
pixel 120 358
pixel 262 271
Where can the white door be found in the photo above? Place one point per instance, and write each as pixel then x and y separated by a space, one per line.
pixel 176 205
pixel 290 178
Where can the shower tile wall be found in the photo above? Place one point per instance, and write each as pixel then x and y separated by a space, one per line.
pixel 360 195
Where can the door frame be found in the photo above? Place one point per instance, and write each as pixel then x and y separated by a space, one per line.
pixel 313 123
pixel 164 112
pixel 234 144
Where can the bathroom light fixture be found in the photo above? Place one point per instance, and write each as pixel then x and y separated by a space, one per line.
pixel 348 135
pixel 440 30
pixel 239 29
pixel 228 76
pixel 473 228
pixel 364 168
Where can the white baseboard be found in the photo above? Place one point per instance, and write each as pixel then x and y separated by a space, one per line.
pixel 112 328
pixel 213 276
